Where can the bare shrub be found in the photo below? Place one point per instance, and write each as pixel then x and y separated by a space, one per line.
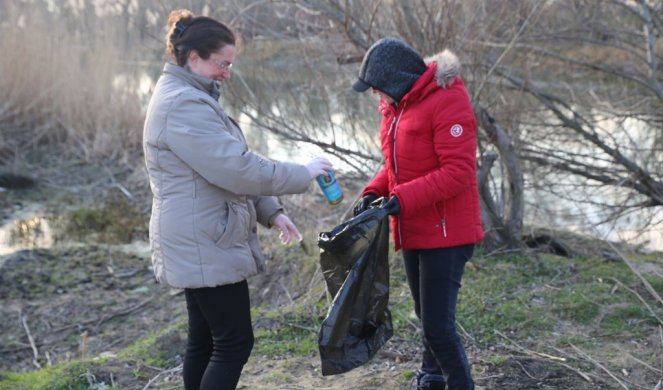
pixel 65 84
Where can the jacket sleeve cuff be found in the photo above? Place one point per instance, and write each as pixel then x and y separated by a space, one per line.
pixel 267 207
pixel 401 200
pixel 270 220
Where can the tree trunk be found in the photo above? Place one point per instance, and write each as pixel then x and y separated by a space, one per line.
pixel 503 224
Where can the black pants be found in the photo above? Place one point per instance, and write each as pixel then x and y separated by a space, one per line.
pixel 220 336
pixel 434 276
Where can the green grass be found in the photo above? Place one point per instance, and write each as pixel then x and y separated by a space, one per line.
pixel 496 359
pixel 69 376
pixel 287 340
pixel 402 313
pixel 116 222
pixel 656 283
pixel 530 297
pixel 631 316
pixel 573 304
pixel 293 333
pixel 580 340
pixel 158 349
pixel 527 297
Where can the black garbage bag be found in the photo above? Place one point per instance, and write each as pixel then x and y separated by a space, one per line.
pixel 355 264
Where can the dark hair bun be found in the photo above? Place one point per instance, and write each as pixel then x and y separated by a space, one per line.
pixel 183 16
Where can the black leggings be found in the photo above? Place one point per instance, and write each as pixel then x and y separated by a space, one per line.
pixel 434 276
pixel 220 336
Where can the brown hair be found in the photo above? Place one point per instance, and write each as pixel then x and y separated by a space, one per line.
pixel 187 32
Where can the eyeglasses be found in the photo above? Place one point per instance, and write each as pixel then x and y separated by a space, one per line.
pixel 223 65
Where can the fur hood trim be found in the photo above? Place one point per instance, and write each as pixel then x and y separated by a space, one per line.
pixel 448 67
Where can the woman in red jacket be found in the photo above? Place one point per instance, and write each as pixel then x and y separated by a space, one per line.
pixel 428 137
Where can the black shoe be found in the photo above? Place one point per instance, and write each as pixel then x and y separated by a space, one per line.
pixel 425 381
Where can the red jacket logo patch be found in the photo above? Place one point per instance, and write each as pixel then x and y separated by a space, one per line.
pixel 456 130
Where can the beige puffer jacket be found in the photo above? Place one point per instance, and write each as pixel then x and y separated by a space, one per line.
pixel 208 189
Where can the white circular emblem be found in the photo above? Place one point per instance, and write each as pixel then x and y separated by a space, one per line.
pixel 456 130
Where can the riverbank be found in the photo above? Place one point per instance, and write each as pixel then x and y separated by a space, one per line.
pixel 81 309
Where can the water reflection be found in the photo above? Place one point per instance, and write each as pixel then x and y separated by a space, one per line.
pixel 305 99
pixel 30 233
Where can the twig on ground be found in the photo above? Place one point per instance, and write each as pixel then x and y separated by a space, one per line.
pixel 412 324
pixel 394 355
pixel 287 293
pixel 562 352
pixel 587 377
pixel 115 183
pixel 483 378
pixel 143 365
pixel 99 321
pixel 128 274
pixel 79 324
pixel 527 372
pixel 559 360
pixel 637 273
pixel 500 251
pixel 35 351
pixel 545 355
pixel 165 372
pixel 82 345
pixel 640 298
pixel 469 336
pixel 293 325
pixel 599 365
pixel 654 369
pixel 123 312
pixel 577 371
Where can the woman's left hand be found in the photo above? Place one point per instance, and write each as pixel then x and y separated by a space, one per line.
pixel 288 229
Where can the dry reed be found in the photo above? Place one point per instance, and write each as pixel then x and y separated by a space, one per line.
pixel 64 82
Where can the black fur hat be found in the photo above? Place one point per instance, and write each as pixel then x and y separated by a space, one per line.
pixel 391 66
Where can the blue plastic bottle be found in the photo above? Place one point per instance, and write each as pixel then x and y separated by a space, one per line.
pixel 330 188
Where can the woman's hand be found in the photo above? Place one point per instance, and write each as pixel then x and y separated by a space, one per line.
pixel 363 204
pixel 317 166
pixel 393 206
pixel 287 227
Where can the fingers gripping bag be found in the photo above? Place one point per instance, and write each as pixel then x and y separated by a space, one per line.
pixel 355 264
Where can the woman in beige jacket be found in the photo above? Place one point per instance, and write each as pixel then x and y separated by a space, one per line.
pixel 209 192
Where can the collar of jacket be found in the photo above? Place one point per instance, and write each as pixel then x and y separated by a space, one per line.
pixel 443 69
pixel 204 84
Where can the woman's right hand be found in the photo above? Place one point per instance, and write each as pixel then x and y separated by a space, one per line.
pixel 363 203
pixel 317 166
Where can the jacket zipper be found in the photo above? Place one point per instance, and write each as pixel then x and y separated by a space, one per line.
pixel 443 218
pixel 394 126
pixel 391 126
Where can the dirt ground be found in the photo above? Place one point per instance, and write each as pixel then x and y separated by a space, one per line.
pixel 88 301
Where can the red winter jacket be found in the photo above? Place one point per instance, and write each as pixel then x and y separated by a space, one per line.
pixel 429 147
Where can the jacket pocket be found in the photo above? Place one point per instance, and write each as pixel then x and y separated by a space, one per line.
pixel 233 227
pixel 442 217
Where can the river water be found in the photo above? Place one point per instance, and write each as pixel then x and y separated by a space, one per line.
pixel 327 109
